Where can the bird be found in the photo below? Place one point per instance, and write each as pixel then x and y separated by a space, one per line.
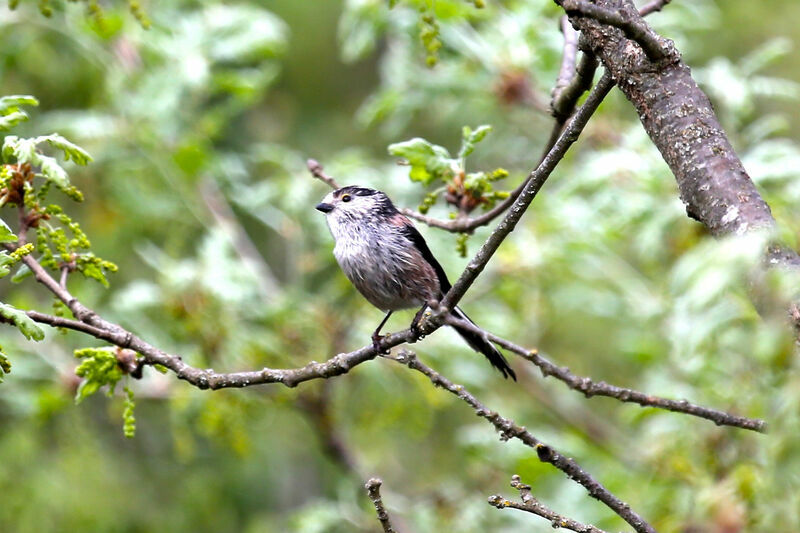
pixel 388 261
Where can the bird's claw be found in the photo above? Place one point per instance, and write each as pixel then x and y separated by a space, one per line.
pixel 416 327
pixel 416 331
pixel 376 345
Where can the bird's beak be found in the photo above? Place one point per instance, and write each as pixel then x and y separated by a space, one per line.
pixel 325 208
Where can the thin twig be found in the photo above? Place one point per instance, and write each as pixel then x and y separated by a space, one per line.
pixel 629 21
pixel 564 101
pixel 508 429
pixel 535 182
pixel 590 388
pixel 568 56
pixel 534 506
pixel 318 172
pixel 373 487
pixel 209 379
pixel 64 273
pixel 652 7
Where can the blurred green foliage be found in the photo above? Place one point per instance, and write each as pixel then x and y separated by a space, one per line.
pixel 199 128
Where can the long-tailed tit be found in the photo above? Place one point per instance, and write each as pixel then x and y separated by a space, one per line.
pixel 386 258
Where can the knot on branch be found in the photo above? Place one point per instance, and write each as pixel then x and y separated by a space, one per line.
pixel 129 363
pixel 498 501
pixel 545 453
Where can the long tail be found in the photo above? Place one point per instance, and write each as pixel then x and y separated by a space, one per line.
pixel 481 345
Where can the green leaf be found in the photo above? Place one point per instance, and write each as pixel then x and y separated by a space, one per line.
pixel 99 368
pixel 22 272
pixel 471 138
pixel 128 418
pixel 428 161
pixel 5 364
pixel 26 151
pixel 5 233
pixel 27 327
pixel 23 150
pixel 71 150
pixel 12 102
pixel 766 55
pixel 12 119
pixel 53 171
pixel 5 263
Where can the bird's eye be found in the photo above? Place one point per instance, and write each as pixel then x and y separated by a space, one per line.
pixel 346 198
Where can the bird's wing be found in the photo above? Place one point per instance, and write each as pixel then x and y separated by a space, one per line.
pixel 418 240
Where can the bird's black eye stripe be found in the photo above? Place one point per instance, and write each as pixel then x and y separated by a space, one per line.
pixel 346 198
pixel 355 190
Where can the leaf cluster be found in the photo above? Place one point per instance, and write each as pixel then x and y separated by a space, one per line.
pixel 101 367
pixel 430 163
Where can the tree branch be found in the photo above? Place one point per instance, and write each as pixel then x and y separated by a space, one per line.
pixel 534 183
pixel 567 97
pixel 682 124
pixel 318 172
pixel 91 323
pixel 652 7
pixel 568 56
pixel 508 429
pixel 628 20
pixel 373 487
pixel 590 388
pixel 534 506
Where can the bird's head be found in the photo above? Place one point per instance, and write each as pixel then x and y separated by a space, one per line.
pixel 356 204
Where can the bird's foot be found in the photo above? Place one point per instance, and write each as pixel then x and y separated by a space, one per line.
pixel 416 324
pixel 376 344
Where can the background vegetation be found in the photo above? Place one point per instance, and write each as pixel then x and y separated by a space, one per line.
pixel 199 128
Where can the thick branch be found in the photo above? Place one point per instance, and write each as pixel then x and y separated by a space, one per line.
pixel 532 505
pixel 682 124
pixel 590 388
pixel 627 19
pixel 373 487
pixel 508 429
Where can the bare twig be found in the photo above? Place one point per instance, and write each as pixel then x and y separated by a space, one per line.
pixel 627 20
pixel 535 182
pixel 652 7
pixel 568 56
pixel 590 388
pixel 564 100
pixel 534 506
pixel 64 273
pixel 318 172
pixel 209 379
pixel 22 230
pixel 373 487
pixel 508 429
